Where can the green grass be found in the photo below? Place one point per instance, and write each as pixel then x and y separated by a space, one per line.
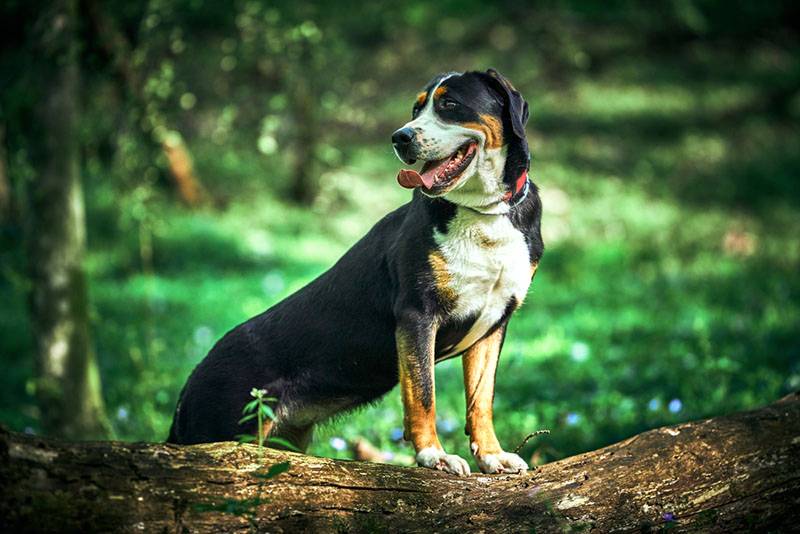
pixel 669 289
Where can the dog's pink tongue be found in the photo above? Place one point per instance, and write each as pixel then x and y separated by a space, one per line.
pixel 410 179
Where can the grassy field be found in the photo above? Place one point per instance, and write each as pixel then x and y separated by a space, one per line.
pixel 669 289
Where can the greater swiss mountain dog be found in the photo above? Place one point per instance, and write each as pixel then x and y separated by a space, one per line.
pixel 437 278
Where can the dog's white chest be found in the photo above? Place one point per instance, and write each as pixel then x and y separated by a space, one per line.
pixel 488 263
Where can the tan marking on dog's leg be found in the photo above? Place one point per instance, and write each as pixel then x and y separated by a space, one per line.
pixel 415 351
pixel 534 268
pixel 480 365
pixel 419 420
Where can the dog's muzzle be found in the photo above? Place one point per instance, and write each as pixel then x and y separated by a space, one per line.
pixel 404 141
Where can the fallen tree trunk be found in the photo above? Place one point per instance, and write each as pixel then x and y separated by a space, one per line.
pixel 733 473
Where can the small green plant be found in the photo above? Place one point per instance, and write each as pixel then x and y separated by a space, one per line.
pixel 259 410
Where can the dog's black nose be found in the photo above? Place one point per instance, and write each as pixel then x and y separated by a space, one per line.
pixel 403 136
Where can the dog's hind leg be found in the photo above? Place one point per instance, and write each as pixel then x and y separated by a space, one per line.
pixel 298 436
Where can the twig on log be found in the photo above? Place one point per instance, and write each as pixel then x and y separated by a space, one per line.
pixel 528 437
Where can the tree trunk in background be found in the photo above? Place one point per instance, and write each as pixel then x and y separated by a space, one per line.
pixel 739 473
pixel 5 185
pixel 303 106
pixel 68 381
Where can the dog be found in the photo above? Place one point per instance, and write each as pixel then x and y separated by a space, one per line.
pixel 437 278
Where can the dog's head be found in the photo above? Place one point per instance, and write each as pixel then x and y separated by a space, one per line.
pixel 469 130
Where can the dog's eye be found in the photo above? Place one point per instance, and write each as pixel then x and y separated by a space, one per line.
pixel 446 103
pixel 415 111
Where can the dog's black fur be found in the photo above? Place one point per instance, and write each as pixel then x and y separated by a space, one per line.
pixel 331 346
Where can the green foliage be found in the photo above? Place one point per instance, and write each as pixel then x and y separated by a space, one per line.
pixel 665 143
pixel 258 410
pixel 274 470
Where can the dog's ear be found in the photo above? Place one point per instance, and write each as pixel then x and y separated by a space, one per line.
pixel 516 116
pixel 516 106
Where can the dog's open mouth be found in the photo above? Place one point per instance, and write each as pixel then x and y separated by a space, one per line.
pixel 438 174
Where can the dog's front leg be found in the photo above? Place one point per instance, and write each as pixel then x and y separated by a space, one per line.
pixel 480 364
pixel 415 350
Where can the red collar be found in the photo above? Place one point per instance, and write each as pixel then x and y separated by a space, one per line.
pixel 520 190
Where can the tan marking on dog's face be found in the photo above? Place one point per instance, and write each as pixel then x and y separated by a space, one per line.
pixel 480 363
pixel 491 128
pixel 421 98
pixel 419 423
pixel 440 133
pixel 439 91
pixel 442 279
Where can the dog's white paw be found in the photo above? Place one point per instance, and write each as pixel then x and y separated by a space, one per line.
pixel 438 459
pixel 503 462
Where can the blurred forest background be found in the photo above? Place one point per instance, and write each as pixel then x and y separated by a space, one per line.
pixel 170 168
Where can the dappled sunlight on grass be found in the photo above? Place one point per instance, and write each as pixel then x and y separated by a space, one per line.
pixel 646 310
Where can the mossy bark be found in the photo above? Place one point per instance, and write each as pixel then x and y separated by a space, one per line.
pixel 727 474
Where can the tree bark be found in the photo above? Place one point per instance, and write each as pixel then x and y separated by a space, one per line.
pixel 303 189
pixel 68 381
pixel 5 184
pixel 727 474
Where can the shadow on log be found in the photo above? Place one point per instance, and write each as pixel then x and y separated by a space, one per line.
pixel 726 474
